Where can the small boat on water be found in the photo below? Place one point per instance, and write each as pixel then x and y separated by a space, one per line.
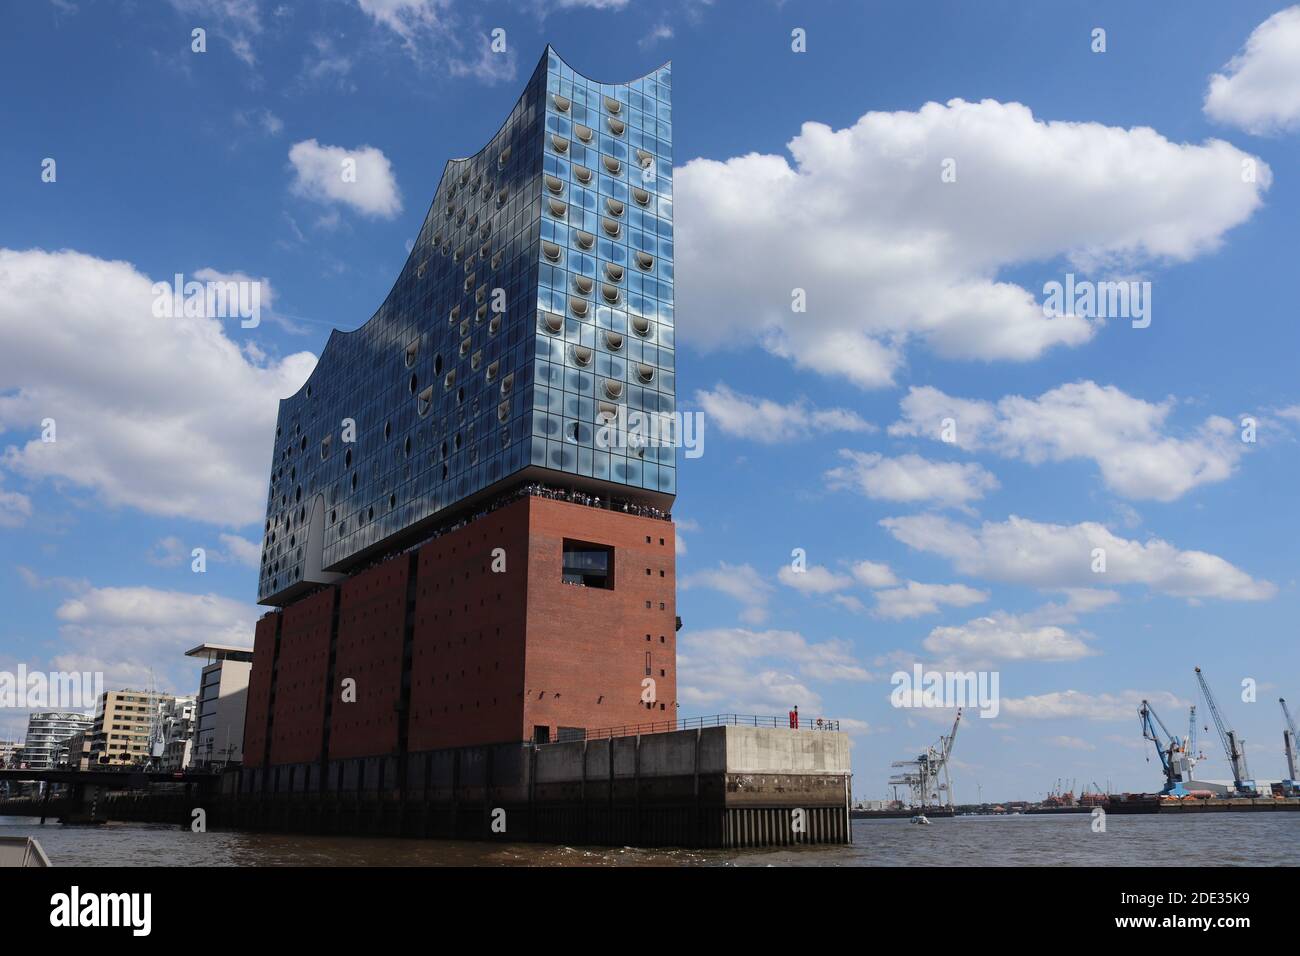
pixel 22 851
pixel 921 818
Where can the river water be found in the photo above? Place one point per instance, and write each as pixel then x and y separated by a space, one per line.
pixel 1229 839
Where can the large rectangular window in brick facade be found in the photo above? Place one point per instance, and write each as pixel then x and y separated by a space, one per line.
pixel 588 565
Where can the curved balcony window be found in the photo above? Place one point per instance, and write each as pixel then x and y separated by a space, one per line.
pixel 558 209
pixel 613 272
pixel 562 103
pixel 616 126
pixel 424 401
pixel 641 325
pixel 585 240
pixel 551 251
pixel 555 185
pixel 582 355
pixel 578 307
pixel 613 341
pixel 503 412
pixel 613 389
pixel 582 174
pixel 507 383
pixel 554 323
pixel 614 206
pixel 582 132
pixel 641 196
pixel 490 375
pixel 583 284
pixel 412 350
pixel 609 293
pixel 612 229
pixel 613 105
pixel 645 373
pixel 612 165
pixel 559 143
pixel 645 262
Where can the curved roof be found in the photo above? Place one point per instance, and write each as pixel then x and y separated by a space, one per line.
pixel 450 164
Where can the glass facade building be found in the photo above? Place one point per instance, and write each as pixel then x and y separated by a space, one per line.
pixel 532 318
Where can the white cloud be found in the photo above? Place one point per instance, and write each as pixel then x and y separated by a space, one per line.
pixel 813 579
pixel 1127 438
pixel 874 574
pixel 679 540
pixel 915 599
pixel 888 254
pixel 241 550
pixel 361 178
pixel 769 422
pixel 1071 743
pixel 1021 551
pixel 1003 636
pixel 1259 89
pixel 405 17
pixel 739 582
pixel 235 21
pixel 1073 704
pixel 910 478
pixel 487 66
pixel 759 672
pixel 168 416
pixel 134 634
pixel 15 507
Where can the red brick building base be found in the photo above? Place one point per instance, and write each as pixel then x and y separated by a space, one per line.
pixel 473 638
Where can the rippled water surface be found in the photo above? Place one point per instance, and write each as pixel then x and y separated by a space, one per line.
pixel 1261 839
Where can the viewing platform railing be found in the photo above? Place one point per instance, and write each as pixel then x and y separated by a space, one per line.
pixel 691 723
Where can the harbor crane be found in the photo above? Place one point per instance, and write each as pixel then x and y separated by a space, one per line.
pixel 1172 752
pixel 1290 786
pixel 1233 746
pixel 921 775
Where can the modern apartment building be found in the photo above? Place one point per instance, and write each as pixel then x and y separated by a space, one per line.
pixel 467 540
pixel 222 700
pixel 126 723
pixel 48 733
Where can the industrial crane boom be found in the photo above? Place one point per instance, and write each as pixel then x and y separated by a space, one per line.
pixel 1289 741
pixel 1234 747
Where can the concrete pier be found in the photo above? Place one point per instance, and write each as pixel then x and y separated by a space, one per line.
pixel 724 786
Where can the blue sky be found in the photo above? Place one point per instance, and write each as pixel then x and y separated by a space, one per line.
pixel 819 171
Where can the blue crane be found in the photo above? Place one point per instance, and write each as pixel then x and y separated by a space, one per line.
pixel 1290 786
pixel 1171 751
pixel 1233 746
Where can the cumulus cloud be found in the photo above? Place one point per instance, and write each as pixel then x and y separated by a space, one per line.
pixel 1020 551
pixel 813 579
pixel 168 416
pixel 888 254
pixel 874 574
pixel 361 178
pixel 1071 743
pixel 1259 88
pixel 15 508
pixel 741 583
pixel 1075 704
pixel 915 599
pixel 133 634
pixel 235 21
pixel 760 672
pixel 1128 439
pixel 1006 637
pixel 766 421
pixel 910 478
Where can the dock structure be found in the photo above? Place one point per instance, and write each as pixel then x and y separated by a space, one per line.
pixel 723 786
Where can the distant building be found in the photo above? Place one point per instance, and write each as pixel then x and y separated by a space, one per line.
pixel 8 751
pixel 75 754
pixel 223 696
pixel 125 722
pixel 176 728
pixel 47 733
